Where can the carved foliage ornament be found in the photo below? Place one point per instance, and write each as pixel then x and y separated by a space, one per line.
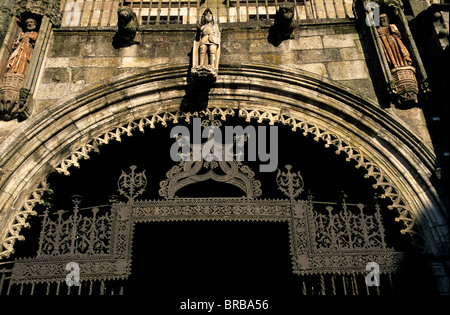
pixel 133 184
pixel 223 166
pixel 291 184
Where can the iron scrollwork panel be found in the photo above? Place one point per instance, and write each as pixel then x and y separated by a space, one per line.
pixel 312 253
pixel 324 238
pixel 343 242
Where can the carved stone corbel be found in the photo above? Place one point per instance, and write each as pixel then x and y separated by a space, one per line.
pixel 127 26
pixel 284 24
pixel 22 55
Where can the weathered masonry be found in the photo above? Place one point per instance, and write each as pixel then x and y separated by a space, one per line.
pixel 356 89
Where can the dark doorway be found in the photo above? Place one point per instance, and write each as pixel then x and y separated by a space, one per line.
pixel 213 261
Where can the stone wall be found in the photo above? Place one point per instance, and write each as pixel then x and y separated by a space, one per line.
pixel 80 58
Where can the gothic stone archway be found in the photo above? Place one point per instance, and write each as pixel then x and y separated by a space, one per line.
pixel 57 138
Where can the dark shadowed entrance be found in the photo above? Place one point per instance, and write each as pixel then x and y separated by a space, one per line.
pixel 213 261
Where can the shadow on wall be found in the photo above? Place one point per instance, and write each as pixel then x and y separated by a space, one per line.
pixel 196 93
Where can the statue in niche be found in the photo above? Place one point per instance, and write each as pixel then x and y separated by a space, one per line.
pixel 399 61
pixel 16 68
pixel 206 50
pixel 284 24
pixel 128 25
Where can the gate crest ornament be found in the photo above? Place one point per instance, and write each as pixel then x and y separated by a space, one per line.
pixel 133 184
pixel 291 184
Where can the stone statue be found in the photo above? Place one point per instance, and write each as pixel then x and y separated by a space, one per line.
pixel 16 68
pixel 396 53
pixel 206 49
pixel 127 25
pixel 399 61
pixel 284 24
pixel 22 48
pixel 209 40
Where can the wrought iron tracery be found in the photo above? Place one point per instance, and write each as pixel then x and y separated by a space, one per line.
pixel 326 238
pixel 113 267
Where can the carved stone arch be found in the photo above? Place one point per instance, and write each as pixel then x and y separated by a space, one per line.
pixel 57 138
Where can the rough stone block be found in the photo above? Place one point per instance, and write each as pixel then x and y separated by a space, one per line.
pixel 55 75
pixel 318 55
pixel 351 53
pixel 130 62
pixel 362 86
pixel 77 75
pixel 66 46
pixel 93 75
pixel 415 119
pixel 340 40
pixel 53 91
pixel 39 105
pixel 57 62
pixel 96 62
pixel 308 31
pixel 348 70
pixel 98 46
pixel 259 46
pixel 272 58
pixel 316 68
pixel 309 42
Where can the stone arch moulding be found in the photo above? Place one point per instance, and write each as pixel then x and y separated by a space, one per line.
pixel 58 137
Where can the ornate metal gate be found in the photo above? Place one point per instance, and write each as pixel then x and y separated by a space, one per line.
pixel 331 242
